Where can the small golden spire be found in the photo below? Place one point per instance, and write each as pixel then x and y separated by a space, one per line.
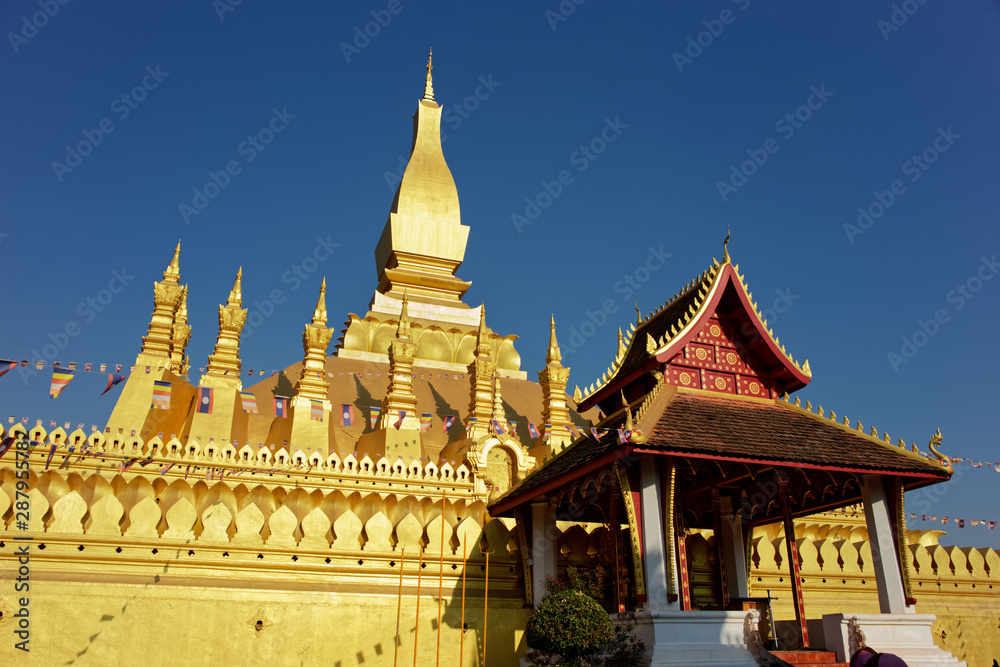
pixel 236 294
pixel 725 247
pixel 553 354
pixel 173 271
pixel 621 344
pixel 481 336
pixel 319 315
pixel 429 83
pixel 638 313
pixel 403 330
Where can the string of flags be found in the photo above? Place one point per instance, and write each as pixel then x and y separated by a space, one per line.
pixel 962 523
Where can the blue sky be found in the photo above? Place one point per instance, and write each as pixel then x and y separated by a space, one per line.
pixel 893 109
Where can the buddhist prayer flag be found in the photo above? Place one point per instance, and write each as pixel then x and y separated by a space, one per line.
pixel 249 402
pixel 496 427
pixel 346 414
pixel 280 406
pixel 448 421
pixel 595 433
pixel 104 368
pixel 6 365
pixel 60 378
pixel 161 394
pixel 52 452
pixel 374 413
pixel 425 422
pixel 112 381
pixel 206 398
pixel 533 430
pixel 316 410
pixel 399 422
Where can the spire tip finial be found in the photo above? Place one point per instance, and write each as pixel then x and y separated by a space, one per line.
pixel 725 247
pixel 429 83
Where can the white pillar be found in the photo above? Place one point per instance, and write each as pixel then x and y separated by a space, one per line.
pixel 653 552
pixel 888 578
pixel 735 550
pixel 544 549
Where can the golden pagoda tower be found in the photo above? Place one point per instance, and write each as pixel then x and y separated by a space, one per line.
pixel 226 420
pixel 154 363
pixel 481 372
pixel 554 411
pixel 394 437
pixel 179 361
pixel 311 389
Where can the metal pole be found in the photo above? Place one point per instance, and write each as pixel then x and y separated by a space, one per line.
pixel 486 603
pixel 416 620
pixel 399 603
pixel 461 643
pixel 440 581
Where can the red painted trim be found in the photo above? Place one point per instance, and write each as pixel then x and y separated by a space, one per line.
pixel 786 463
pixel 570 476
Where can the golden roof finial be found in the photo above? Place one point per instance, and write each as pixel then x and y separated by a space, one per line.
pixel 481 335
pixel 236 294
pixel 319 315
pixel 173 271
pixel 429 84
pixel 628 412
pixel 621 344
pixel 638 313
pixel 553 354
pixel 403 330
pixel 725 247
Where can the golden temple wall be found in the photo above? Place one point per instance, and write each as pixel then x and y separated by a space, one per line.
pixel 142 566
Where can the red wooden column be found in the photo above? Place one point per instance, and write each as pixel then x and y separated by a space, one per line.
pixel 793 559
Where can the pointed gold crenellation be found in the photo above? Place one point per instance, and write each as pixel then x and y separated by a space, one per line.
pixel 167 294
pixel 224 363
pixel 181 334
pixel 481 372
pixel 429 82
pixel 553 379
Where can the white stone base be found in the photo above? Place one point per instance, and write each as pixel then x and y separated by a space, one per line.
pixel 905 635
pixel 691 638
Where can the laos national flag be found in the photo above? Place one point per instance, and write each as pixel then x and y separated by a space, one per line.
pixel 6 365
pixel 533 430
pixel 205 400
pixel 280 406
pixel 448 421
pixel 346 415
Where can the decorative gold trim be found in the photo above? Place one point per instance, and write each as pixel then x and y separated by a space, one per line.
pixel 525 560
pixel 633 530
pixel 669 507
pixel 902 545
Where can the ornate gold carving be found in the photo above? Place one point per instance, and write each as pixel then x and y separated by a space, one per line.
pixel 633 530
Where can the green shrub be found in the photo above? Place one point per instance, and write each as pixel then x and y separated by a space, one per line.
pixel 569 624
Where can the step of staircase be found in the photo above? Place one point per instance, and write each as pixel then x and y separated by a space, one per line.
pixel 806 658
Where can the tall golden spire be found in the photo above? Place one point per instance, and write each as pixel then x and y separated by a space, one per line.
pixel 423 242
pixel 481 371
pixel 553 379
pixel 498 412
pixel 316 337
pixel 429 83
pixel 181 335
pixel 167 294
pixel 225 361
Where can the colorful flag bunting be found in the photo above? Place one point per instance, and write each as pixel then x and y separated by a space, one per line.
pixel 316 410
pixel 533 430
pixel 249 402
pixel 161 394
pixel 425 422
pixel 112 381
pixel 497 428
pixel 6 365
pixel 346 414
pixel 206 399
pixel 374 413
pixel 60 378
pixel 399 422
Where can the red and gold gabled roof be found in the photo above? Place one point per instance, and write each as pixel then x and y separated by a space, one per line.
pixel 710 336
